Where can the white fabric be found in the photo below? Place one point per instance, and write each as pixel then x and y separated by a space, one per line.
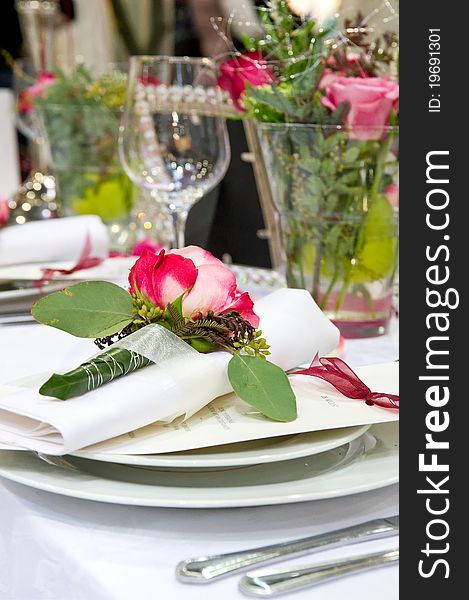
pixel 9 169
pixel 56 548
pixel 115 269
pixel 52 240
pixel 290 320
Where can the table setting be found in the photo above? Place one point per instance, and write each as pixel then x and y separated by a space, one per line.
pixel 172 423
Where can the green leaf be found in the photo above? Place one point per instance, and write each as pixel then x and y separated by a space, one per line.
pixel 351 154
pixel 91 309
pixel 276 98
pixel 376 257
pixel 264 386
pixel 107 366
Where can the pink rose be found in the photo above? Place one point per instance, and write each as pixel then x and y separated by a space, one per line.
pixel 26 98
pixel 392 194
pixel 165 276
pixel 250 67
pixel 4 212
pixel 371 101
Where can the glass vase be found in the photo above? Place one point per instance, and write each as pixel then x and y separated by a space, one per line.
pixel 82 143
pixel 336 192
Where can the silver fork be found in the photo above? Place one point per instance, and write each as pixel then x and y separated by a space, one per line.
pixel 206 569
pixel 276 582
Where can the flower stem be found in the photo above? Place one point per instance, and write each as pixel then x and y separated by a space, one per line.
pixel 380 165
pixel 329 290
pixel 343 291
pixel 317 272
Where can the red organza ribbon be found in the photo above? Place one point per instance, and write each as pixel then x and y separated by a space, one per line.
pixel 336 372
pixel 84 262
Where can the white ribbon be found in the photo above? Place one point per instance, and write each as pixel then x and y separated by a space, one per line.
pixel 156 343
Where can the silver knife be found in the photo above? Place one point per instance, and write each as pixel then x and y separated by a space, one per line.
pixel 276 582
pixel 206 569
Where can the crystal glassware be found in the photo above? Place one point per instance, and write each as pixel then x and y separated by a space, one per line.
pixel 173 139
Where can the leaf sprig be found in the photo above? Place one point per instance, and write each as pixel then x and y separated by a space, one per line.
pixel 229 331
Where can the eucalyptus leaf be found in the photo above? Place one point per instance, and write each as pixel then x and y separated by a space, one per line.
pixel 90 309
pixel 264 386
pixel 351 154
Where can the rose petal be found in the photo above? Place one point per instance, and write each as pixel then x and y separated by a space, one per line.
pixel 371 101
pixel 198 256
pixel 146 244
pixel 327 103
pixel 162 277
pixel 245 306
pixel 247 68
pixel 214 289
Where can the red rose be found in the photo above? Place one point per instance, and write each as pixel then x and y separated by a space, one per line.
pixel 251 68
pixel 165 276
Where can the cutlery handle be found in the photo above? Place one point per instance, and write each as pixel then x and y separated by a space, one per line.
pixel 273 583
pixel 205 569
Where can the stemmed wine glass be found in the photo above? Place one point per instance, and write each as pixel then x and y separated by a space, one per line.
pixel 173 140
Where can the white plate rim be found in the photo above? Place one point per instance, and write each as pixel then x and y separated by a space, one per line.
pixel 297 445
pixel 31 291
pixel 368 473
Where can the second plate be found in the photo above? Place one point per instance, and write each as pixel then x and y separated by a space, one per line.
pixel 240 454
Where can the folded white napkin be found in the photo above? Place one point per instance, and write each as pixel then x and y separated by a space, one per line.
pixel 53 240
pixel 290 320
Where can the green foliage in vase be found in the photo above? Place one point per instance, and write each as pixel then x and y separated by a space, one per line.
pixel 80 116
pixel 341 226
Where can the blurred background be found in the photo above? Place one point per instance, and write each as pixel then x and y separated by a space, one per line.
pixel 228 221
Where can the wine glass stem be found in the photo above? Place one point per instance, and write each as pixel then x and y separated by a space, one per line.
pixel 179 224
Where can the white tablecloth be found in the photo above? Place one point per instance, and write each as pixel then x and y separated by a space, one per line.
pixel 53 547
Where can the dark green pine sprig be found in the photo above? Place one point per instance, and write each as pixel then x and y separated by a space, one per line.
pixel 214 330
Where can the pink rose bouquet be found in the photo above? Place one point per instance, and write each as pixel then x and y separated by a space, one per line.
pixel 186 292
pixel 327 111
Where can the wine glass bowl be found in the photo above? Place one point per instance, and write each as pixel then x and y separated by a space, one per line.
pixel 173 139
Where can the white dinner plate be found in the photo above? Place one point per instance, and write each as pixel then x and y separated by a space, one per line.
pixel 22 298
pixel 20 293
pixel 295 480
pixel 253 452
